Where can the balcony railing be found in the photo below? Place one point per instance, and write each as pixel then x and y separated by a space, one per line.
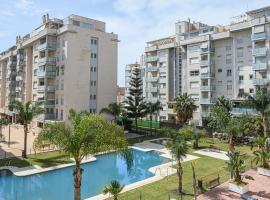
pixel 47 60
pixel 19 78
pixel 51 46
pixel 207 88
pixel 152 69
pixel 240 111
pixel 204 63
pixel 207 50
pixel 259 66
pixel 49 88
pixel 153 79
pixel 47 116
pixel 259 36
pixel 18 89
pixel 206 101
pixel 261 81
pixel 207 75
pixel 152 89
pixel 151 59
pixel 46 73
pixel 259 51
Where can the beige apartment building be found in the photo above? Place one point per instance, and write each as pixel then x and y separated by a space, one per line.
pixel 63 63
pixel 209 61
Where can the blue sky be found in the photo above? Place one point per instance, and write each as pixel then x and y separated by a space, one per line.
pixel 135 21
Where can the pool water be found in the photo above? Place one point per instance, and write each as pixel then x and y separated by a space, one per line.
pixel 58 184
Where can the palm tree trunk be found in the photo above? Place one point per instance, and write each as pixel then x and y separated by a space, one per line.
pixel 180 174
pixel 77 176
pixel 231 146
pixel 151 118
pixel 264 124
pixel 194 183
pixel 24 154
pixel 1 135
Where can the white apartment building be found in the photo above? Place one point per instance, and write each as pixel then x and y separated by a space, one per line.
pixel 63 63
pixel 210 61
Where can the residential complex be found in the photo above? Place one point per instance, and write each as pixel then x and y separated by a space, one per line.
pixel 120 94
pixel 64 64
pixel 208 61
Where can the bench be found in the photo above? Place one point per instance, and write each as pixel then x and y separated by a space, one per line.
pixel 247 197
pixel 213 183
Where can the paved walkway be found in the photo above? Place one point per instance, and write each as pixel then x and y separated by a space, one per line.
pixel 259 188
pixel 16 140
pixel 213 153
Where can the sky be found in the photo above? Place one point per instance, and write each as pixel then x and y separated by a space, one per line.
pixel 135 21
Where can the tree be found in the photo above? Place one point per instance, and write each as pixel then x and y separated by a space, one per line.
pixel 184 108
pixel 26 112
pixel 3 122
pixel 194 178
pixel 262 155
pixel 233 128
pixel 114 189
pixel 135 101
pixel 236 165
pixel 151 109
pixel 86 134
pixel 224 103
pixel 260 101
pixel 179 149
pixel 115 109
pixel 197 134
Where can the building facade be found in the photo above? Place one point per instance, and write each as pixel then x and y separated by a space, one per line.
pixel 209 61
pixel 64 64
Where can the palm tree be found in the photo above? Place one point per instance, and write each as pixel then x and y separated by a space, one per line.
pixel 86 134
pixel 179 149
pixel 114 189
pixel 115 109
pixel 26 112
pixel 224 103
pixel 262 155
pixel 233 128
pixel 261 103
pixel 151 109
pixel 194 178
pixel 236 165
pixel 184 108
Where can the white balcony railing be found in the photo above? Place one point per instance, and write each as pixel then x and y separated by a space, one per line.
pixel 259 36
pixel 259 51
pixel 259 66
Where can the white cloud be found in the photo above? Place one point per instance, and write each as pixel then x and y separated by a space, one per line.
pixel 6 13
pixel 29 7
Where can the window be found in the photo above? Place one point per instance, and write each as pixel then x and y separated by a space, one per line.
pixel 35 72
pixel 94 97
pixel 219 82
pixel 240 52
pixel 219 70
pixel 62 100
pixel 239 40
pixel 56 113
pixel 62 84
pixel 241 92
pixel 228 47
pixel 57 84
pixel 229 72
pixel 241 78
pixel 249 48
pixel 194 73
pixel 95 69
pixel 57 70
pixel 228 59
pixel 62 115
pixel 91 69
pixel 56 99
pixel 76 23
pixel 229 87
pixel 251 90
pixel 62 69
pixel 93 55
pixel 251 76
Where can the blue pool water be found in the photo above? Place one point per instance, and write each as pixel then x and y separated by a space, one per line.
pixel 58 184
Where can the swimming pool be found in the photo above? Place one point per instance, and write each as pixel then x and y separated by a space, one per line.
pixel 58 184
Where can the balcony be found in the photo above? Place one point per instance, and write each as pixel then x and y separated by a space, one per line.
pixel 18 99
pixel 19 78
pixel 49 46
pixel 206 101
pixel 207 75
pixel 258 36
pixel 47 116
pixel 240 111
pixel 47 60
pixel 152 69
pixel 259 66
pixel 207 88
pixel 261 81
pixel 204 63
pixel 46 73
pixel 205 114
pixel 207 50
pixel 259 51
pixel 49 102
pixel 48 88
pixel 18 89
pixel 151 59
pixel 152 79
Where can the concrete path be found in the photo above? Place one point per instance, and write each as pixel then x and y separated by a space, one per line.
pixel 213 153
pixel 259 188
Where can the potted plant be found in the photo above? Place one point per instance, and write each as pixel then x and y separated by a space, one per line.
pixel 236 166
pixel 262 156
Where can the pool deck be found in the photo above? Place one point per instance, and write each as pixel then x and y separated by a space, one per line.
pixel 160 171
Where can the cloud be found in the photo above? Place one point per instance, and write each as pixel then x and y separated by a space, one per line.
pixel 6 13
pixel 28 7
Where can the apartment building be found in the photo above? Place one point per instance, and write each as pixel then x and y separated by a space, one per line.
pixel 120 94
pixel 64 64
pixel 209 61
pixel 160 71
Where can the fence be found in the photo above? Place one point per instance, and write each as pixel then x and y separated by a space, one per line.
pixel 147 123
